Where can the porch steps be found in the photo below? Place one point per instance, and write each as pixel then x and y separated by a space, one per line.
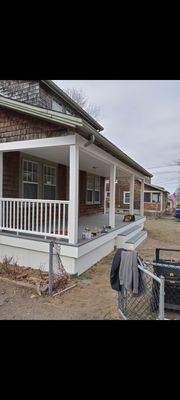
pixel 130 230
pixel 123 237
pixel 135 240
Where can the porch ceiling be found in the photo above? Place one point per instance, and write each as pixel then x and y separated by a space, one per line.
pixel 60 155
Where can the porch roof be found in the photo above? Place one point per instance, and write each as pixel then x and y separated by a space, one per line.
pixel 83 128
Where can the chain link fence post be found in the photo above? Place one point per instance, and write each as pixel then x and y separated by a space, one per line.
pixel 161 298
pixel 51 246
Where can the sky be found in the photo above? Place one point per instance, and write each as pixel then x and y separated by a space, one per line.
pixel 142 118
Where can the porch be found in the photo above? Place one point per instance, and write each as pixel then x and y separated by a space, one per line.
pixel 75 177
pixel 49 219
pixel 31 250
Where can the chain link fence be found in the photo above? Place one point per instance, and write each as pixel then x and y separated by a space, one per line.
pixel 148 304
pixel 58 277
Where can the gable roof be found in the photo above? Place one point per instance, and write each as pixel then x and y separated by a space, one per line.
pixel 83 128
pixel 63 96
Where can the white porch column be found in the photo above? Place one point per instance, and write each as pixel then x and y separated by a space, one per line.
pixel 73 194
pixel 105 196
pixel 1 184
pixel 112 196
pixel 142 199
pixel 161 202
pixel 131 206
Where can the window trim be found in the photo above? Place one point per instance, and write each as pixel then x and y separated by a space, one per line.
pixel 93 190
pixel 27 182
pixel 124 197
pixel 45 184
pixel 97 190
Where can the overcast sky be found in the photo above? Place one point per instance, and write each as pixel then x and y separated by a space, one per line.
pixel 143 119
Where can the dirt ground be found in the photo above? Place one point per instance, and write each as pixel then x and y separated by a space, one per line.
pixel 92 298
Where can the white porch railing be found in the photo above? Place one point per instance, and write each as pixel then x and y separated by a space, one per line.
pixel 35 217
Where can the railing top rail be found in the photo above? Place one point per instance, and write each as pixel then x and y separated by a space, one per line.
pixel 35 200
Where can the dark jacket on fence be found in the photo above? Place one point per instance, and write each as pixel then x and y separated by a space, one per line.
pixel 128 271
pixel 114 275
pixel 132 277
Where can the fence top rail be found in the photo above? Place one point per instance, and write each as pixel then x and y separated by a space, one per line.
pixel 141 267
pixel 174 266
pixel 36 201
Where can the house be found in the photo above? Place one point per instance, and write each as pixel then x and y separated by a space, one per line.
pixel 54 161
pixel 155 197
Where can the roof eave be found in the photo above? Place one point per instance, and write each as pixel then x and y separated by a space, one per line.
pixel 56 89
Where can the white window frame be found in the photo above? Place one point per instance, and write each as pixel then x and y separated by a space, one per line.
pixel 158 193
pixel 124 197
pixel 89 188
pixel 93 189
pixel 50 184
pixel 28 182
pixel 97 190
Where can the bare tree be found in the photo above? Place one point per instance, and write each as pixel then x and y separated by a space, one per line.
pixel 80 98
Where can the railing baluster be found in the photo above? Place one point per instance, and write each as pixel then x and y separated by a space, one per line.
pixel 7 203
pixel 14 215
pixel 17 216
pixel 40 217
pixel 45 224
pixel 21 215
pixel 37 217
pixel 64 219
pixel 25 216
pixel 33 216
pixel 29 216
pixel 3 214
pixel 59 220
pixel 50 213
pixel 10 215
pixel 54 218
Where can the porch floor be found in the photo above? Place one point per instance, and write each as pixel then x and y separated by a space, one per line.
pixel 97 221
pixel 94 222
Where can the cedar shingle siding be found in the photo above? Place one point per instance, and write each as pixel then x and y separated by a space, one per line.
pixel 11 165
pixel 31 92
pixel 25 91
pixel 14 126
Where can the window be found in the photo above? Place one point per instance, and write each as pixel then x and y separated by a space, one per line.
pixel 126 198
pixel 30 179
pixel 90 189
pixel 93 189
pixel 155 197
pixel 49 179
pixel 97 189
pixel 147 197
pixel 57 107
pixel 151 197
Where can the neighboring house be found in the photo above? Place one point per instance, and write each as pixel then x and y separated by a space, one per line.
pixel 53 165
pixel 155 197
pixel 172 201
